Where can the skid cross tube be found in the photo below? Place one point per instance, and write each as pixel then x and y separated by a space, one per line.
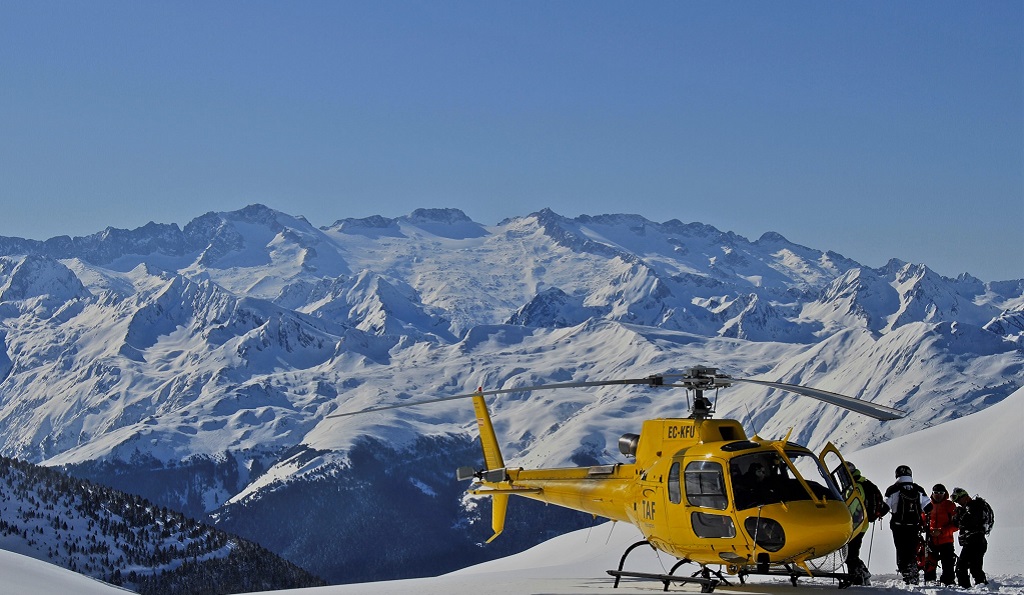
pixel 843 579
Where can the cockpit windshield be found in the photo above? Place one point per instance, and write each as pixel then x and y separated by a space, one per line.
pixel 764 478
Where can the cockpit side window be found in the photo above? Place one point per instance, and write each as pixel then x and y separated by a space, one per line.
pixel 764 478
pixel 757 479
pixel 705 485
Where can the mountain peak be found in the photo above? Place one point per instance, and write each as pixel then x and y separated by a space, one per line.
pixel 438 216
pixel 772 237
pixel 446 223
pixel 36 276
pixel 255 213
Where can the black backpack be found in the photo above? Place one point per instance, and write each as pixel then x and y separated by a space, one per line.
pixel 988 517
pixel 874 504
pixel 976 518
pixel 907 512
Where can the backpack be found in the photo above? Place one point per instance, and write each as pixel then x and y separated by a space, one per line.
pixel 908 506
pixel 874 504
pixel 988 517
pixel 975 519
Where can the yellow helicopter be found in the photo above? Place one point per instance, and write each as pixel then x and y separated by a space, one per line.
pixel 699 488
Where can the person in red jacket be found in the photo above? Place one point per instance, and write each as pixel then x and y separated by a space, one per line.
pixel 940 532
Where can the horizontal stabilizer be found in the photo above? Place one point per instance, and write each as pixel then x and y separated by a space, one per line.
pixel 499 491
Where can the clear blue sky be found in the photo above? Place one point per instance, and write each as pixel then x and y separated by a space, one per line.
pixel 876 129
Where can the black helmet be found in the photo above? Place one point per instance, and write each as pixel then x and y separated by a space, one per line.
pixel 903 470
pixel 939 489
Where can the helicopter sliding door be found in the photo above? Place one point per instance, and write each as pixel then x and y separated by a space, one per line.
pixel 704 483
pixel 840 473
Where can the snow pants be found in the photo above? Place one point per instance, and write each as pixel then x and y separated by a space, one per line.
pixel 906 539
pixel 855 567
pixel 972 558
pixel 945 555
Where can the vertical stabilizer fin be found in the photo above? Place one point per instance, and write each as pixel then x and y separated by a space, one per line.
pixel 489 442
pixel 493 460
pixel 499 504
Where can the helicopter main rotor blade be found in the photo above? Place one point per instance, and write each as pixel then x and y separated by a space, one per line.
pixel 880 412
pixel 651 381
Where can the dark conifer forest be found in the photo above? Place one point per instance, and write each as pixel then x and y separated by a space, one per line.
pixel 127 540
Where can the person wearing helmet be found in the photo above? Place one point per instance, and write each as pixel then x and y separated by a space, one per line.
pixel 907 501
pixel 974 518
pixel 940 534
pixel 855 566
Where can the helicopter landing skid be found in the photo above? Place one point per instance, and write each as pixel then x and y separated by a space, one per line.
pixel 707 584
pixel 842 578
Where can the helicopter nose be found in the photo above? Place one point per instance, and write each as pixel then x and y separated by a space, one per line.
pixel 800 529
pixel 825 531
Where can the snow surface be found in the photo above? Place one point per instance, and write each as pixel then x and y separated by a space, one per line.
pixel 980 452
pixel 27 576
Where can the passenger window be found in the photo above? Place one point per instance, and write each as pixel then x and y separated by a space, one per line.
pixel 705 485
pixel 674 493
pixel 712 525
pixel 857 511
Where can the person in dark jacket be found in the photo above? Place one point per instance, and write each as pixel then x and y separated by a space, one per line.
pixel 970 517
pixel 873 510
pixel 906 501
pixel 940 534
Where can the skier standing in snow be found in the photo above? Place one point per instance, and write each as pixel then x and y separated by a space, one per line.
pixel 974 518
pixel 874 509
pixel 907 501
pixel 940 533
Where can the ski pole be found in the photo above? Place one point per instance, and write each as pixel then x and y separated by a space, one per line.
pixel 871 543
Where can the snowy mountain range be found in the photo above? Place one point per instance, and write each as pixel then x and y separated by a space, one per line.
pixel 197 366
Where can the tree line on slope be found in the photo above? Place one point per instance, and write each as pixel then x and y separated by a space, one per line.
pixel 126 540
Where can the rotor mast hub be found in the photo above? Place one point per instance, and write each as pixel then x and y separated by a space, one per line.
pixel 699 379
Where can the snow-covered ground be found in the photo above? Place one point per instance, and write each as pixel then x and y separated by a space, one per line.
pixel 27 576
pixel 983 452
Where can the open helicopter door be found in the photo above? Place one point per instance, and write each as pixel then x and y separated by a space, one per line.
pixel 840 473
